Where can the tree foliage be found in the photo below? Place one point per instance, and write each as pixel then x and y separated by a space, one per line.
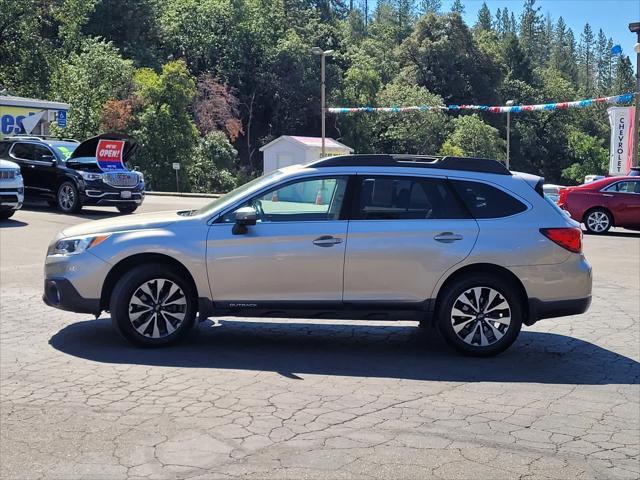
pixel 196 79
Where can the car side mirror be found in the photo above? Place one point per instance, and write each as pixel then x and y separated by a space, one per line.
pixel 244 217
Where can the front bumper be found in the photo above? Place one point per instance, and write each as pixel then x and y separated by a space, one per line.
pixel 60 293
pixel 101 193
pixel 11 199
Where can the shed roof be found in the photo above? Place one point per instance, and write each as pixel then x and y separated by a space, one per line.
pixel 309 142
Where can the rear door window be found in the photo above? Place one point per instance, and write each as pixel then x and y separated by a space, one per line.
pixel 23 151
pixel 407 198
pixel 485 201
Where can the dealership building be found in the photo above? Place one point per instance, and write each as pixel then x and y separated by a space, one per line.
pixel 29 116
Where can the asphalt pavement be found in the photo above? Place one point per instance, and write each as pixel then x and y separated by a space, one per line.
pixel 252 398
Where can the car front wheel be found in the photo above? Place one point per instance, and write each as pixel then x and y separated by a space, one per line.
pixel 68 198
pixel 151 306
pixel 480 315
pixel 597 221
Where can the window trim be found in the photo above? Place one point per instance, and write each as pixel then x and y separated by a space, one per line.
pixel 218 218
pixel 506 191
pixel 34 162
pixel 354 214
pixel 606 189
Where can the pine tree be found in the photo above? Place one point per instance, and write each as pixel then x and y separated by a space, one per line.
pixel 624 80
pixel 530 26
pixel 603 62
pixel 457 7
pixel 497 23
pixel 562 51
pixel 430 6
pixel 546 39
pixel 586 56
pixel 484 18
pixel 513 24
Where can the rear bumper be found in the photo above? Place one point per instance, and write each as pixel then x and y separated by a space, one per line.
pixel 60 293
pixel 539 309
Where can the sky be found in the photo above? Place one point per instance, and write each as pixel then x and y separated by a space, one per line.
pixel 613 16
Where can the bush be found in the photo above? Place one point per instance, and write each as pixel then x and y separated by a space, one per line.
pixel 213 160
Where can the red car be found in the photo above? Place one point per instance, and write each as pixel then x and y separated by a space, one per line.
pixel 606 203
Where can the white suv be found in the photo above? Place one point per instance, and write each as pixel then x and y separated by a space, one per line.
pixel 11 189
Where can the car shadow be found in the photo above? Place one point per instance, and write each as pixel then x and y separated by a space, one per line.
pixel 87 213
pixel 12 223
pixel 402 352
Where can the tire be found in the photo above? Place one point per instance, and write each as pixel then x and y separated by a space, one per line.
pixel 68 198
pixel 473 329
pixel 132 299
pixel 598 221
pixel 6 214
pixel 127 208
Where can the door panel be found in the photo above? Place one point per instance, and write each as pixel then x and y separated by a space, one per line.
pixel 295 251
pixel 401 260
pixel 623 199
pixel 406 232
pixel 277 262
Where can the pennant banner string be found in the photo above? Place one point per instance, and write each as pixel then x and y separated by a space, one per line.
pixel 627 97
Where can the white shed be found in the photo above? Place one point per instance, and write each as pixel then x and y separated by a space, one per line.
pixel 292 150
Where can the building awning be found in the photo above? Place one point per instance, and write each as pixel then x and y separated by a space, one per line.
pixel 10 101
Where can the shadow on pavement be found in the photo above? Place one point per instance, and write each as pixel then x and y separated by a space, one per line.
pixel 11 223
pixel 616 233
pixel 87 213
pixel 402 352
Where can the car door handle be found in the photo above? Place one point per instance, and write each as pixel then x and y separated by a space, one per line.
pixel 31 166
pixel 607 195
pixel 326 241
pixel 448 237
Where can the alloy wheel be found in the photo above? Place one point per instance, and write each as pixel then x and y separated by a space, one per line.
pixel 157 308
pixel 67 197
pixel 480 316
pixel 598 221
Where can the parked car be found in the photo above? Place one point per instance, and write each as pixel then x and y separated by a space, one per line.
pixel 634 172
pixel 11 189
pixel 66 174
pixel 593 178
pixel 552 191
pixel 606 203
pixel 462 243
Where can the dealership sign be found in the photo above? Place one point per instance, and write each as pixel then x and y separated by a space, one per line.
pixel 109 154
pixel 621 153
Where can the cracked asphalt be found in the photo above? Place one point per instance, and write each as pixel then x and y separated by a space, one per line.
pixel 292 399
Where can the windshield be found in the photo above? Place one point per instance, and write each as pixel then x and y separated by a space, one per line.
pixel 64 150
pixel 235 194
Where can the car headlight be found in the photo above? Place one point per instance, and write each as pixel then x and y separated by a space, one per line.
pixel 91 176
pixel 73 246
pixel 18 173
pixel 140 176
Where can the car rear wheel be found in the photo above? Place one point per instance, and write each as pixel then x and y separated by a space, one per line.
pixel 151 306
pixel 480 315
pixel 68 198
pixel 598 221
pixel 127 208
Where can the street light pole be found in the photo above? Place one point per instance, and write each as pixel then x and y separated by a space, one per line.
pixel 509 103
pixel 323 54
pixel 635 28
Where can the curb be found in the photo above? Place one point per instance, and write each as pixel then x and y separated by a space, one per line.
pixel 187 194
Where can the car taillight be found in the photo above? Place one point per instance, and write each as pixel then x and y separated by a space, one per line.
pixel 562 199
pixel 569 238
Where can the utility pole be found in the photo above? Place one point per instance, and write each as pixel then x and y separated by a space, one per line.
pixel 509 103
pixel 323 54
pixel 635 28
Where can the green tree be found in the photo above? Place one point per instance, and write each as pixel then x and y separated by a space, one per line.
pixel 586 57
pixel 165 130
pixel 623 81
pixel 412 132
pixel 530 27
pixel 457 7
pixel 484 18
pixel 588 156
pixel 429 6
pixel 87 80
pixel 213 161
pixel 472 137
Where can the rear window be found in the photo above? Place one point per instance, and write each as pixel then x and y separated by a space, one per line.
pixel 408 198
pixel 485 201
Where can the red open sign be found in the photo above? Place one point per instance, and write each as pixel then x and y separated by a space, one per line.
pixel 109 154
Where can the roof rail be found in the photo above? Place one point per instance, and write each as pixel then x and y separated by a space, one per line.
pixel 484 165
pixel 40 138
pixel 23 137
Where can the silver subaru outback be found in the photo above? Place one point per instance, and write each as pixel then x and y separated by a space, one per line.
pixel 461 243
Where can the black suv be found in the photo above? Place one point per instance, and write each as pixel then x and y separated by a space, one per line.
pixel 65 173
